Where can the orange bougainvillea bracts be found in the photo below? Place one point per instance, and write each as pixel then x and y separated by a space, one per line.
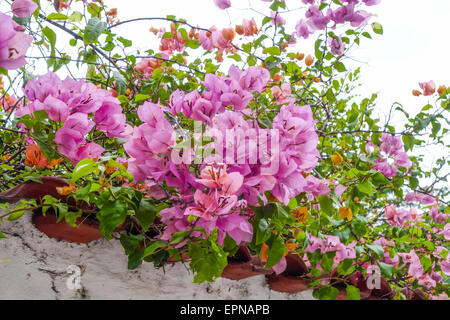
pixel 64 191
pixel 35 158
pixel 264 250
pixel 301 214
pixel 345 212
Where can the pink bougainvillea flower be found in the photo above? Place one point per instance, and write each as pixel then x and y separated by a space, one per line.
pixel 176 101
pixel 40 88
pixel 249 27
pixel 175 221
pixel 223 4
pixel 68 141
pixel 402 160
pixel 13 44
pixel 254 79
pixel 420 197
pixel 343 14
pixel 316 19
pixel 282 93
pixel 90 150
pixel 371 2
pixel 110 119
pixel 360 18
pixel 237 227
pixel 23 8
pixel 217 177
pixel 314 244
pixel 317 186
pixel 280 266
pixel 339 190
pixel 56 109
pixel 345 252
pixel 80 122
pixel 447 231
pixel 203 110
pixel 303 29
pixel 209 205
pixel 436 215
pixel 427 281
pixel 428 87
pixel 277 18
pixel 385 168
pixel 337 46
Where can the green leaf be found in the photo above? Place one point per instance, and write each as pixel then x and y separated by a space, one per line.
pixel 72 216
pixel 83 168
pixel 153 247
pixel 426 263
pixel 345 267
pixel 408 141
pixel 353 293
pixel 208 259
pixel 111 215
pixel 386 269
pixel 57 16
pixel 61 210
pixel 146 213
pixel 180 236
pixel 339 66
pixel 326 293
pixel 366 187
pixel 16 215
pixel 378 249
pixel 141 97
pixel 275 51
pixel 2 236
pixel 377 28
pixel 126 43
pixel 275 252
pixel 93 30
pixel 326 204
pixel 121 83
pixel 359 227
pixel 51 37
pixel 75 17
pixel 193 44
pixel 134 259
pixel 326 263
pixel 262 231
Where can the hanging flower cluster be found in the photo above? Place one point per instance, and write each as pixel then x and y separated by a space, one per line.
pixel 391 148
pixel 223 192
pixel 79 106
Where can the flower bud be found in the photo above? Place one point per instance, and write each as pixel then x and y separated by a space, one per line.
pixel 228 34
pixel 309 60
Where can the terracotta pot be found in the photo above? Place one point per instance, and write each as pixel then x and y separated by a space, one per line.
pixel 290 280
pixel 288 284
pixel 243 265
pixel 87 230
pixel 385 291
pixel 239 271
pixel 295 266
pixel 34 190
pixel 416 294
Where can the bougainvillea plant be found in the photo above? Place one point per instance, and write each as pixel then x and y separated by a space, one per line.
pixel 226 137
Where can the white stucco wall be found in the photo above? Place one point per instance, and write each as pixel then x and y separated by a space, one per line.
pixel 34 267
